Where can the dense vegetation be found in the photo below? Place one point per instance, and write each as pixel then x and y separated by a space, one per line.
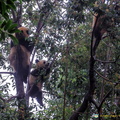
pixel 62 30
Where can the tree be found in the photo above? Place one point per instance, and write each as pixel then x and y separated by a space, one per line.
pixel 80 81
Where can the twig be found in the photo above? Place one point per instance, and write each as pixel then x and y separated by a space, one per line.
pixel 7 73
pixel 94 102
pixel 102 76
pixel 38 4
pixel 105 61
pixel 4 100
pixel 19 15
pixel 14 16
pixel 99 108
pixel 51 64
pixel 106 97
pixel 13 97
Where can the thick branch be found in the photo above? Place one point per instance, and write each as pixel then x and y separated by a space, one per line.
pixel 17 15
pixel 89 96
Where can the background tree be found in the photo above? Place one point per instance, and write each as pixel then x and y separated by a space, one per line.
pixel 62 32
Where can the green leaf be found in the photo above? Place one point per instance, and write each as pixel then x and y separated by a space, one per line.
pixel 3 35
pixel 3 8
pixel 12 31
pixel 6 16
pixel 13 26
pixel 20 1
pixel 3 24
pixel 15 40
pixel 8 6
pixel 0 39
pixel 11 4
pixel 8 24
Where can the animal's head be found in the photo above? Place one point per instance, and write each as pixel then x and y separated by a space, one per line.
pixel 24 30
pixel 42 64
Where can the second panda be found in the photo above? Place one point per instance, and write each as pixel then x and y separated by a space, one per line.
pixel 20 54
pixel 36 79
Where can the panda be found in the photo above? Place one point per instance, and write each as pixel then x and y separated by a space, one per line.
pixel 20 54
pixel 22 39
pixel 39 75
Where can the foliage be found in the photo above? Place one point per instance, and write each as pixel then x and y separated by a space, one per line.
pixel 6 25
pixel 66 32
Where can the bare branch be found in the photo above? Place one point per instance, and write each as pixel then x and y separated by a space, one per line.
pixel 104 100
pixel 107 95
pixel 94 102
pixel 14 15
pixel 81 109
pixel 2 99
pixel 105 61
pixel 102 76
pixel 38 4
pixel 11 98
pixel 19 15
pixel 51 64
pixel 7 73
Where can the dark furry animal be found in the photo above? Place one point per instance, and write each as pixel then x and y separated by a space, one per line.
pixel 36 79
pixel 20 54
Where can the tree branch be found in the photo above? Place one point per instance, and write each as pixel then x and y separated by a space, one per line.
pixel 11 98
pixel 107 95
pixel 99 108
pixel 14 15
pixel 51 64
pixel 38 4
pixel 94 102
pixel 19 15
pixel 7 73
pixel 105 61
pixel 89 96
pixel 102 76
pixel 2 99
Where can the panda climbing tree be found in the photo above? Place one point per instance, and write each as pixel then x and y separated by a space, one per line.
pixel 20 61
pixel 36 79
pixel 20 54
